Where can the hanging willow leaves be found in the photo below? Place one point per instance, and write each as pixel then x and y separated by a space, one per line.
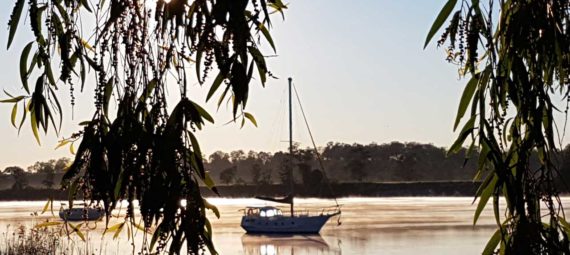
pixel 522 48
pixel 23 66
pixel 134 147
pixel 441 17
pixel 250 117
pixel 14 20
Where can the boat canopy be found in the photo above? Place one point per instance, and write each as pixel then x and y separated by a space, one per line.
pixel 263 211
pixel 285 200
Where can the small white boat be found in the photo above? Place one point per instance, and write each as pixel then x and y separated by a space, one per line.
pixel 80 212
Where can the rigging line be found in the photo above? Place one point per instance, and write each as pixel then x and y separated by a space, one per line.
pixel 315 145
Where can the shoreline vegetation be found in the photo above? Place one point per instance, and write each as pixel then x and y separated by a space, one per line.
pixel 388 189
pixel 373 170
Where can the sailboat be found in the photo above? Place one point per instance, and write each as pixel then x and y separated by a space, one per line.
pixel 271 220
pixel 81 212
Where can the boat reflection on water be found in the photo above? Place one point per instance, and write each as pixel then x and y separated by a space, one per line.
pixel 254 244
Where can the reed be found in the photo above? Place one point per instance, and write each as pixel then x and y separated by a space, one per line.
pixel 23 241
pixel 50 241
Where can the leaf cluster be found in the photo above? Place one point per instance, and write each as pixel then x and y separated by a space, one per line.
pixel 516 54
pixel 144 150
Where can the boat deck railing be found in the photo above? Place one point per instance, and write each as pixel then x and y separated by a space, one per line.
pixel 303 212
pixel 333 210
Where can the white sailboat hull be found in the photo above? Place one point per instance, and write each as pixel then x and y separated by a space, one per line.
pixel 284 224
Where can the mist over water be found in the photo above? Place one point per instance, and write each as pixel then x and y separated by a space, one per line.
pixel 397 225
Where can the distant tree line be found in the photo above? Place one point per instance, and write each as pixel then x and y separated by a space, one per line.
pixel 391 162
pixel 343 163
pixel 46 173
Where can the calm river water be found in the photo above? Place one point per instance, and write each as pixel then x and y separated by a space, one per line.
pixel 406 225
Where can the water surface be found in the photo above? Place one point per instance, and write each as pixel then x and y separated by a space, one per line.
pixel 406 225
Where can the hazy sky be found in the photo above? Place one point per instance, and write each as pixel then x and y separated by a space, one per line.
pixel 358 65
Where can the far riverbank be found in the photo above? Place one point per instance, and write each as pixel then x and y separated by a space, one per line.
pixel 399 189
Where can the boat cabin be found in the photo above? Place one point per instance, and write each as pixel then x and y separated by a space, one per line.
pixel 263 211
pixel 80 212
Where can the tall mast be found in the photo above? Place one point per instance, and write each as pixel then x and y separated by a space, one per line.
pixel 291 181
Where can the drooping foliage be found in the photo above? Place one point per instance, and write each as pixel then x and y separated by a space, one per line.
pixel 516 54
pixel 135 51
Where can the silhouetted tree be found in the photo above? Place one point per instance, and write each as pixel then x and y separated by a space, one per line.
pixel 228 175
pixel 19 176
pixel 256 174
pixel 61 165
pixel 357 161
pixel 286 172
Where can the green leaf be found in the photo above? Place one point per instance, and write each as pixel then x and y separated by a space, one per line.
pixel 148 90
pixel 267 35
pixel 48 224
pixel 72 149
pixel 485 195
pixel 119 230
pixel 82 73
pixel 217 82
pixel 85 4
pixel 119 185
pixel 14 20
pixel 468 93
pixel 260 63
pixel 208 237
pixel 38 23
pixel 23 66
pixel 154 238
pixel 113 228
pixel 198 62
pixel 210 183
pixel 14 112
pixel 443 14
pixel 250 118
pixel 492 243
pixel 26 107
pixel 107 95
pixel 212 207
pixel 33 63
pixel 34 125
pixel 61 143
pixel 58 107
pixel 13 100
pixel 496 209
pixel 278 6
pixel 92 63
pixel 49 72
pixel 195 144
pixel 221 99
pixel 8 94
pixel 139 227
pixel 46 206
pixel 203 113
pixel 78 231
pixel 465 132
